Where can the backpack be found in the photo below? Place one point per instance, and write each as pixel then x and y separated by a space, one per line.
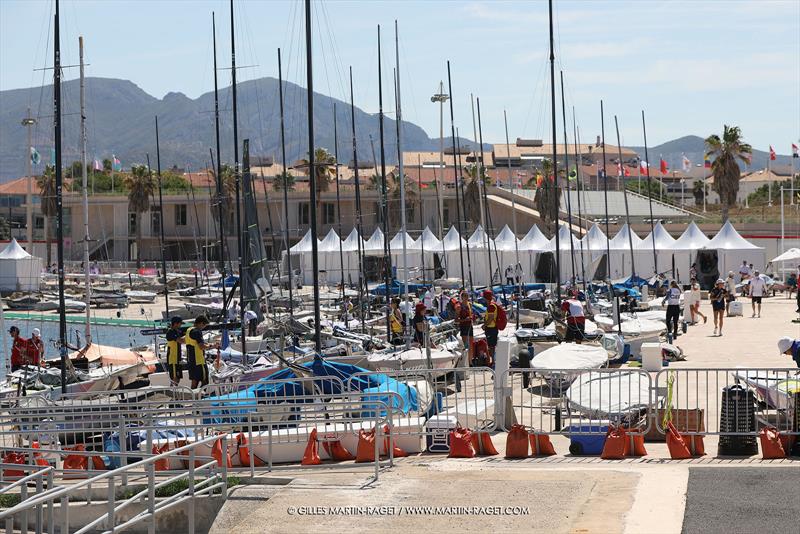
pixel 502 319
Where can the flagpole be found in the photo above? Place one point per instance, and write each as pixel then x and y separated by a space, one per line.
pixel 791 178
pixel 769 178
pixel 704 183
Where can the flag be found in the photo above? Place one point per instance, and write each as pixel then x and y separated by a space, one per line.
pixel 539 180
pixel 706 161
pixel 772 154
pixel 794 151
pixel 601 173
pixel 36 158
pixel 686 165
pixel 642 166
pixel 622 170
pixel 115 163
pixel 573 174
pixel 97 166
pixel 664 166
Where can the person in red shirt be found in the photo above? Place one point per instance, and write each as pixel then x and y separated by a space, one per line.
pixel 22 351
pixel 464 320
pixel 576 319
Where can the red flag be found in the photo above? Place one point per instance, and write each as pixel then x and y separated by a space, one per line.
pixel 664 167
pixel 772 154
pixel 794 150
pixel 643 166
pixel 622 171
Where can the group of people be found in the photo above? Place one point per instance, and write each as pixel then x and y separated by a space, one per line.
pixel 26 351
pixel 196 348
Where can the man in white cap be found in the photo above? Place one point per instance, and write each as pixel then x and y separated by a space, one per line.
pixel 758 288
pixel 787 345
pixel 37 343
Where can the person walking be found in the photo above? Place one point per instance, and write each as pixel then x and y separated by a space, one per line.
pixel 37 346
pixel 174 340
pixel 758 288
pixel 510 275
pixel 464 319
pixel 673 301
pixel 744 274
pixel 718 296
pixel 396 322
pixel 196 352
pixel 730 286
pixel 418 323
pixel 576 318
pixel 19 350
pixel 490 322
pixel 694 309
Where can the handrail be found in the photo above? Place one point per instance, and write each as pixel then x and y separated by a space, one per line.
pixel 27 478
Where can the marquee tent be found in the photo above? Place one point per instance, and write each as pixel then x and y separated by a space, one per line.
pixel 685 253
pixel 302 250
pixel 620 246
pixel 530 248
pixel 732 249
pixel 663 241
pixel 19 271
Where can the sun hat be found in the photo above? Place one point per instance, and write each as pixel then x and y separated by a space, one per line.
pixel 487 293
pixel 784 344
pixel 720 281
pixel 36 332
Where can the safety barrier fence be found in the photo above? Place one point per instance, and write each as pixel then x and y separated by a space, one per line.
pixel 204 476
pixel 37 479
pixel 577 402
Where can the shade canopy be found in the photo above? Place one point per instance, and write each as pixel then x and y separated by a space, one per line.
pixel 331 243
pixel 14 252
pixel 396 243
pixel 790 255
pixel 534 240
pixel 452 239
pixel 479 238
pixel 595 239
pixel 428 241
pixel 623 239
pixel 691 239
pixel 304 245
pixel 660 236
pixel 351 243
pixel 506 240
pixel 375 242
pixel 729 239
pixel 564 236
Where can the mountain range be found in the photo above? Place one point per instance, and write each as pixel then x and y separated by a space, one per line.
pixel 121 121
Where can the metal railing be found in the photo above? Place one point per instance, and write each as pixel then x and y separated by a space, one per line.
pixel 42 479
pixel 579 402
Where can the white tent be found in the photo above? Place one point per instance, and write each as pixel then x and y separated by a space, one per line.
pixel 620 246
pixel 19 271
pixel 530 247
pixel 350 252
pixel 430 245
pixel 595 245
pixel 374 245
pixel 330 260
pixel 685 251
pixel 504 248
pixel 793 254
pixel 732 249
pixel 302 250
pixel 479 256
pixel 565 247
pixel 455 253
pixel 663 242
pixel 413 259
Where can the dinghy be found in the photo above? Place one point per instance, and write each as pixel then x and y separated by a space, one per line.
pixel 571 356
pixel 616 396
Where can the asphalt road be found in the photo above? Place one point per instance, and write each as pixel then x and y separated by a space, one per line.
pixel 742 499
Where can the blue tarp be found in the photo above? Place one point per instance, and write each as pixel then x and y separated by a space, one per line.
pixel 397 288
pixel 134 438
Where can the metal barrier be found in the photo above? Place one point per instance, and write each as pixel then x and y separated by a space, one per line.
pixel 696 402
pixel 578 402
pixel 440 399
pixel 42 478
pixel 206 478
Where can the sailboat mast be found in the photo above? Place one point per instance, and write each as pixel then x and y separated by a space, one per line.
pixel 556 200
pixel 605 193
pixel 362 279
pixel 403 232
pixel 338 202
pixel 237 175
pixel 88 280
pixel 650 195
pixel 285 186
pixel 513 204
pixel 460 171
pixel 488 216
pixel 387 248
pixel 566 171
pixel 625 196
pixel 218 166
pixel 62 318
pixel 161 217
pixel 455 178
pixel 576 140
pixel 312 179
pixel 481 190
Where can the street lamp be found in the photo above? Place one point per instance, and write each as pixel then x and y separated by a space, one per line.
pixel 28 122
pixel 441 97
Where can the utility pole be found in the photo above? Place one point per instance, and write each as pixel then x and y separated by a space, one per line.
pixel 28 122
pixel 441 97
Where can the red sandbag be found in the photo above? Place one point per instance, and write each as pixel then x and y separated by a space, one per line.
pixel 787 442
pixel 482 443
pixel 13 457
pixel 697 446
pixel 397 452
pixel 216 453
pixel 311 454
pixel 634 444
pixel 244 452
pixel 460 440
pixel 78 462
pixel 771 446
pixel 163 463
pixel 366 446
pixel 678 450
pixel 614 447
pixel 37 456
pixel 517 442
pixel 541 445
pixel 335 449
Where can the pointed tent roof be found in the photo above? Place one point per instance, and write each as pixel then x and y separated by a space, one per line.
pixel 506 240
pixel 14 251
pixel 331 242
pixel 564 235
pixel 396 243
pixel 450 241
pixel 478 238
pixel 621 241
pixel 595 238
pixel 691 239
pixel 729 239
pixel 662 239
pixel 534 240
pixel 304 245
pixel 351 243
pixel 429 241
pixel 375 242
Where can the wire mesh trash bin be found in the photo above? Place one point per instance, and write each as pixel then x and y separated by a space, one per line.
pixel 737 416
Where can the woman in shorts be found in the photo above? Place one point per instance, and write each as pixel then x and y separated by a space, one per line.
pixel 718 296
pixel 464 318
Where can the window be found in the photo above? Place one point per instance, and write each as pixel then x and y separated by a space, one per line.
pixel 155 222
pixel 131 223
pixel 180 215
pixel 328 213
pixel 304 214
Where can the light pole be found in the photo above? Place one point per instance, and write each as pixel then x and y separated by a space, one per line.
pixel 28 122
pixel 441 97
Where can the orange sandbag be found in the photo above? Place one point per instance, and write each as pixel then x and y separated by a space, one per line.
pixel 634 444
pixel 517 442
pixel 163 463
pixel 397 452
pixel 678 450
pixel 78 462
pixel 697 446
pixel 366 446
pixel 13 457
pixel 787 442
pixel 614 447
pixel 37 456
pixel 335 449
pixel 482 443
pixel 541 445
pixel 216 453
pixel 771 446
pixel 244 452
pixel 460 440
pixel 311 454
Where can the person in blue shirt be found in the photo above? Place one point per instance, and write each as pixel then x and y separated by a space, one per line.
pixel 791 347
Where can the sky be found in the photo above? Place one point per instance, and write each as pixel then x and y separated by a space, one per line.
pixel 692 66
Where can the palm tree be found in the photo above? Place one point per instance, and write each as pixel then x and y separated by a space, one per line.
pixel 699 191
pixel 393 194
pixel 725 169
pixel 140 186
pixel 547 194
pixel 228 189
pixel 472 200
pixel 324 172
pixel 47 193
pixel 284 178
